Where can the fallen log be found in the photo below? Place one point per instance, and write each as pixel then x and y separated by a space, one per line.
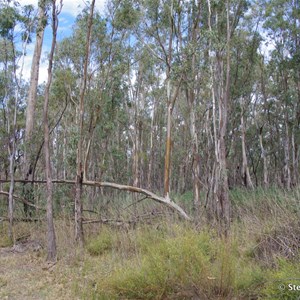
pixel 166 201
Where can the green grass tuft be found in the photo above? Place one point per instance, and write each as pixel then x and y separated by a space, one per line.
pixel 177 262
pixel 102 243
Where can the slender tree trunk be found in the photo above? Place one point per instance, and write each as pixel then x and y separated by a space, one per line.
pixel 51 238
pixel 12 133
pixel 34 76
pixel 167 170
pixel 196 160
pixel 286 168
pixel 192 107
pixel 170 104
pixel 151 158
pixel 12 153
pixel 31 102
pixel 245 168
pixel 80 168
pixel 266 178
pixel 265 160
pixel 223 110
pixel 168 147
pixel 219 174
pixel 295 160
pixel 223 203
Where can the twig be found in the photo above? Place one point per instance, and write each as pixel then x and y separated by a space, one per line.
pixel 22 200
pixel 140 200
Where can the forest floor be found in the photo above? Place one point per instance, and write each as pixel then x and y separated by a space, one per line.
pixel 25 275
pixel 162 258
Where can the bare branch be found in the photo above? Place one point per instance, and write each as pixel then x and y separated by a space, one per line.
pixel 120 187
pixel 22 200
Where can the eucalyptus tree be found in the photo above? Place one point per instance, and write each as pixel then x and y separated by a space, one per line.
pixel 11 17
pixel 223 19
pixel 282 25
pixel 29 150
pixel 245 68
pixel 51 238
pixel 79 161
pixel 191 19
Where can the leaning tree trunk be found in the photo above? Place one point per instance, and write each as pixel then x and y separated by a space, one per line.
pixel 150 195
pixel 31 102
pixel 79 162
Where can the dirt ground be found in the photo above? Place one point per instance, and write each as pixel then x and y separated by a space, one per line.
pixel 25 275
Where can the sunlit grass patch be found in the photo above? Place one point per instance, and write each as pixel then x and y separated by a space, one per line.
pixel 283 281
pixel 176 262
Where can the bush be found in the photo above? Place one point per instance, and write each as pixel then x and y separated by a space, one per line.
pixel 172 260
pixel 102 243
pixel 185 264
pixel 279 278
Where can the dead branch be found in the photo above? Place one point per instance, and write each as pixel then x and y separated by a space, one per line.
pixel 122 187
pixel 5 219
pixel 105 221
pixel 134 203
pixel 91 211
pixel 22 200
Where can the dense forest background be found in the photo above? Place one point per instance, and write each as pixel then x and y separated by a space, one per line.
pixel 184 102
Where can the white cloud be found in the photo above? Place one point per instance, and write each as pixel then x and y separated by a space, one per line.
pixel 72 7
pixel 27 64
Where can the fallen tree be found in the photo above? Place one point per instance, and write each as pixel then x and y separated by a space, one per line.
pixel 166 201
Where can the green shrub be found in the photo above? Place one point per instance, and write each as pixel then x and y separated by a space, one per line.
pixel 102 243
pixel 279 278
pixel 165 268
pixel 172 260
pixel 182 265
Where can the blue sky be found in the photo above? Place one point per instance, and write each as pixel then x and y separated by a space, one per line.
pixel 71 8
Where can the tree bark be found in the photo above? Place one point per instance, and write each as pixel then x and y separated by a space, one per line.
pixel 220 93
pixel 31 102
pixel 34 76
pixel 265 160
pixel 13 133
pixel 51 238
pixel 192 108
pixel 286 168
pixel 224 201
pixel 79 162
pixel 245 168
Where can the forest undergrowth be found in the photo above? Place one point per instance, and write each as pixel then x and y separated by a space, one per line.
pixel 162 257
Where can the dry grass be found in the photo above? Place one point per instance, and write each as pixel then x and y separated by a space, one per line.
pixel 262 247
pixel 24 273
